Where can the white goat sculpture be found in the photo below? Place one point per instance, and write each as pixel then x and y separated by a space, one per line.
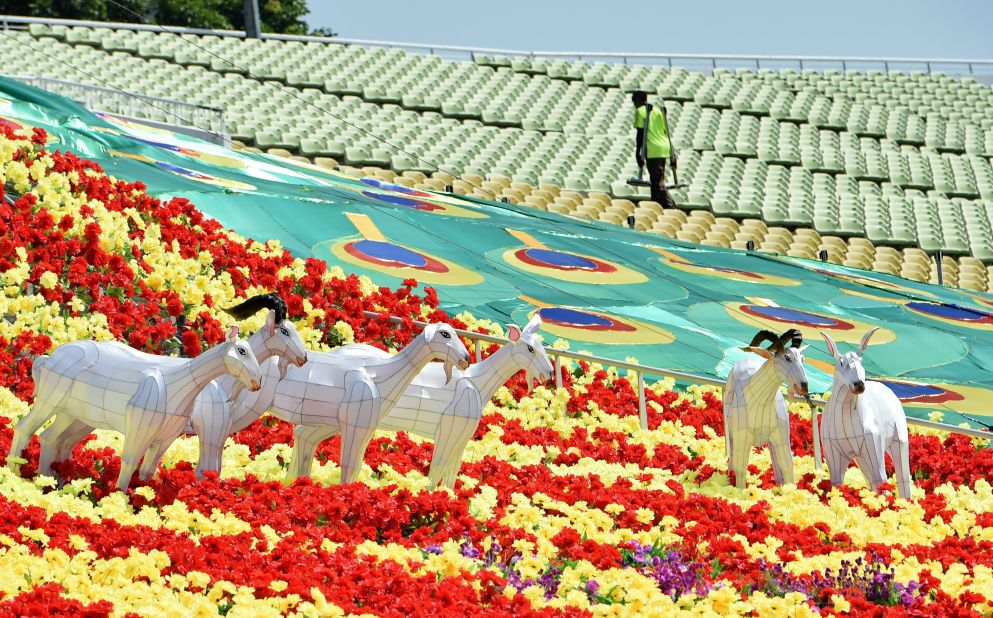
pixel 354 391
pixel 223 407
pixel 755 412
pixel 864 420
pixel 446 411
pixel 108 385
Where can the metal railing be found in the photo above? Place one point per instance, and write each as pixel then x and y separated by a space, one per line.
pixel 643 370
pixel 194 119
pixel 948 65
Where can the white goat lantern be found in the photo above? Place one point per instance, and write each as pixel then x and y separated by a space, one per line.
pixel 223 407
pixel 863 420
pixel 354 391
pixel 448 411
pixel 755 413
pixel 107 385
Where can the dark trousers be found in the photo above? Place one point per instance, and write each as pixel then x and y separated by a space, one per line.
pixel 656 175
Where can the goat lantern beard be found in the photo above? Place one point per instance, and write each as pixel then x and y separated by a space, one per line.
pixel 530 380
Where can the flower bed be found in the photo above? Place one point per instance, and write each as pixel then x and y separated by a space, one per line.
pixel 562 507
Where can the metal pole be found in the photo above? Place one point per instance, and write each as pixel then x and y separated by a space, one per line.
pixel 479 350
pixel 253 25
pixel 642 408
pixel 817 433
pixel 558 371
pixel 937 264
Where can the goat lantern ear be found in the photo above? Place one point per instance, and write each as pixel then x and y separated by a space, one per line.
pixel 513 333
pixel 270 323
pixel 832 348
pixel 232 334
pixel 429 332
pixel 766 354
pixel 865 339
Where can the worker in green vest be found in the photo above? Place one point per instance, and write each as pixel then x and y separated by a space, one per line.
pixel 654 153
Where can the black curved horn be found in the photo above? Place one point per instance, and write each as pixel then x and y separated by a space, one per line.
pixel 794 335
pixel 254 304
pixel 776 345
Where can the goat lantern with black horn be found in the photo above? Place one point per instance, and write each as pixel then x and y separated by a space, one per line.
pixel 755 412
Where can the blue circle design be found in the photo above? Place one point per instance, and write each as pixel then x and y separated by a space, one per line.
pixel 912 391
pixel 387 251
pixel 561 259
pixel 793 315
pixel 392 199
pixel 948 311
pixel 162 145
pixel 573 317
pixel 180 170
pixel 380 184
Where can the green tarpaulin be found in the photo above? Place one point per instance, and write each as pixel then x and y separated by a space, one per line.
pixel 607 289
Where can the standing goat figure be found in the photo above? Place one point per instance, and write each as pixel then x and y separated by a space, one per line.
pixel 755 412
pixel 224 407
pixel 864 420
pixel 447 411
pixel 353 392
pixel 108 385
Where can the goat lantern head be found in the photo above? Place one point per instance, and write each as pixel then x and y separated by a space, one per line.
pixel 282 339
pixel 848 370
pixel 788 358
pixel 288 343
pixel 445 345
pixel 240 361
pixel 528 353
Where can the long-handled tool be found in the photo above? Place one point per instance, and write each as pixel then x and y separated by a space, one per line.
pixel 639 180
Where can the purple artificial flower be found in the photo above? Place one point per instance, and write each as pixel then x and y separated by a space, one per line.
pixel 592 587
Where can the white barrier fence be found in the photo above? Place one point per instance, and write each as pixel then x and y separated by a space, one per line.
pixel 201 121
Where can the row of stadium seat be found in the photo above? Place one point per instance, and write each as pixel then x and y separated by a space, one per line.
pixel 815 97
pixel 502 95
pixel 739 163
